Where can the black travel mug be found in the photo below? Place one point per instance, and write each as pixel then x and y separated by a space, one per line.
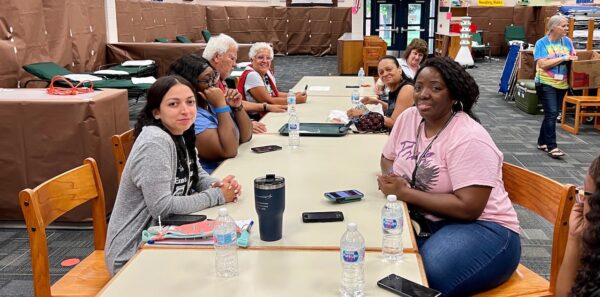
pixel 269 200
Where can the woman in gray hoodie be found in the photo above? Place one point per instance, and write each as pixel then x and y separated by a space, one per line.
pixel 162 175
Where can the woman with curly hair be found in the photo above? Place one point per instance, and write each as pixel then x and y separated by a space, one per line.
pixel 446 167
pixel 579 273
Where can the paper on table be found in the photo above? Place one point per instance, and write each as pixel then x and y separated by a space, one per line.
pixel 143 80
pixel 319 88
pixel 137 63
pixel 111 72
pixel 236 73
pixel 198 241
pixel 82 77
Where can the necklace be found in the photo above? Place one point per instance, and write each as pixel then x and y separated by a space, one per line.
pixel 420 158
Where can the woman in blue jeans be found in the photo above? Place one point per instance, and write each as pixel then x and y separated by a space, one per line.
pixel 552 53
pixel 440 160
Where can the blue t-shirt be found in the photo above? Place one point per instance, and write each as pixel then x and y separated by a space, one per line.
pixel 546 48
pixel 207 119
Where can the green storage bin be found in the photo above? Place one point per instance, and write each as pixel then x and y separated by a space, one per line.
pixel 526 98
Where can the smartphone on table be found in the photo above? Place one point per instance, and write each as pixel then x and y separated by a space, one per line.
pixel 344 196
pixel 182 219
pixel 403 287
pixel 265 149
pixel 322 216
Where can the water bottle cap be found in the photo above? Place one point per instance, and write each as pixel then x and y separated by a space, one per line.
pixel 223 211
pixel 392 198
pixel 352 227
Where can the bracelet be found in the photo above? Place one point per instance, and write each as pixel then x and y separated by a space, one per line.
pixel 264 107
pixel 222 109
pixel 238 108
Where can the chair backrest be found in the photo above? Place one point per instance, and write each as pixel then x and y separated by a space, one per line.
pixel 206 35
pixel 183 39
pixel 372 54
pixel 547 198
pixel 477 38
pixel 161 40
pixel 46 70
pixel 375 42
pixel 514 33
pixel 121 148
pixel 48 201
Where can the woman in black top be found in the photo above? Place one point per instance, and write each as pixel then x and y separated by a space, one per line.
pixel 400 94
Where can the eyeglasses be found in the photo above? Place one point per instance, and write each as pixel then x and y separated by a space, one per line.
pixel 211 81
pixel 581 195
pixel 268 58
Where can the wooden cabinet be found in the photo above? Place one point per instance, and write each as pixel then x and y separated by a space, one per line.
pixel 349 52
pixel 447 44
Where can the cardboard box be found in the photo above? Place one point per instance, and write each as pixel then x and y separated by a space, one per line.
pixel 585 72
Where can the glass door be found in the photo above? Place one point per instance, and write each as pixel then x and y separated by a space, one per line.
pixel 398 23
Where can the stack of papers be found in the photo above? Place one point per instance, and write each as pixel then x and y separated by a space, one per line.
pixel 82 77
pixel 137 63
pixel 143 80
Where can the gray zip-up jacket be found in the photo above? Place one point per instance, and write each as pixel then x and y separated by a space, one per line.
pixel 145 193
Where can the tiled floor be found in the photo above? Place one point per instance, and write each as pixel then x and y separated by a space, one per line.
pixel 514 131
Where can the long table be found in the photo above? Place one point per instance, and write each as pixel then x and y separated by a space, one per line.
pixel 262 273
pixel 336 86
pixel 44 135
pixel 311 170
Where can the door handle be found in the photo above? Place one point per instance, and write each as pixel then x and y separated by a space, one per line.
pixel 406 30
pixel 393 30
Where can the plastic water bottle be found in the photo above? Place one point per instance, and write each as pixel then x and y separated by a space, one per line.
pixel 352 254
pixel 392 221
pixel 225 242
pixel 361 76
pixel 293 130
pixel 291 101
pixel 355 98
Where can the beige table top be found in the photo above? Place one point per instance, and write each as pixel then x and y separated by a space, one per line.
pixel 315 110
pixel 266 273
pixel 319 165
pixel 337 85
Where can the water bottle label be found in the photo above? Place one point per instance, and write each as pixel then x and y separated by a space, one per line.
pixel 390 223
pixel 223 239
pixel 352 256
pixel 291 100
pixel 293 126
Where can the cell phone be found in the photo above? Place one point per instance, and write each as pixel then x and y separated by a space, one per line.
pixel 265 149
pixel 323 216
pixel 182 219
pixel 344 196
pixel 403 287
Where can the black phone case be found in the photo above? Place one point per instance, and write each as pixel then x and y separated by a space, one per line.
pixel 422 291
pixel 321 217
pixel 176 220
pixel 265 149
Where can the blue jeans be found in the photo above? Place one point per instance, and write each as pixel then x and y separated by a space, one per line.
pixel 461 258
pixel 551 99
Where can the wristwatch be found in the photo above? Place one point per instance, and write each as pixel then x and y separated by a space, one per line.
pixel 238 108
pixel 264 107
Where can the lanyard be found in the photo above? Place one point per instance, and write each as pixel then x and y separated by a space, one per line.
pixel 420 158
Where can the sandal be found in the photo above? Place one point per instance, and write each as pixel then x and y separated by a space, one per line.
pixel 542 147
pixel 556 153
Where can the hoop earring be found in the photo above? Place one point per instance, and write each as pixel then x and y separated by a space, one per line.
pixel 456 104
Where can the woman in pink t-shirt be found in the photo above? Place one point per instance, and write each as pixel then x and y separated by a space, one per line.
pixel 445 165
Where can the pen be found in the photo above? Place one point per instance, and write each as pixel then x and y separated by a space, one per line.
pixel 305 87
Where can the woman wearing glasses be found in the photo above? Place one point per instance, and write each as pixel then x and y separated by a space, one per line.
pixel 257 83
pixel 222 123
pixel 579 273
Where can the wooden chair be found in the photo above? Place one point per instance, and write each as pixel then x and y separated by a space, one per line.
pixel 550 200
pixel 370 57
pixel 585 106
pixel 121 148
pixel 44 204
